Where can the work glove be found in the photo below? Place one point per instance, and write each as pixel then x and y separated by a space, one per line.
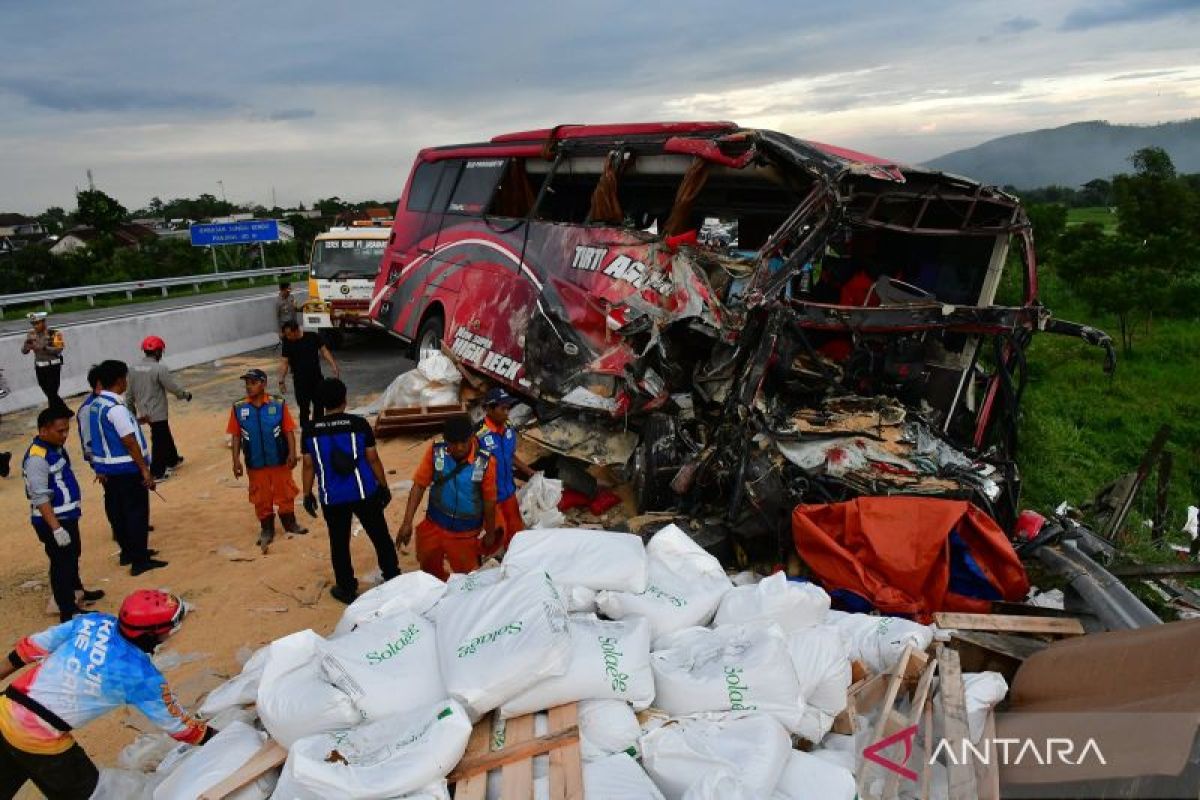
pixel 384 495
pixel 61 536
pixel 310 505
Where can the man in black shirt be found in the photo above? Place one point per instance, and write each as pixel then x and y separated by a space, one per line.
pixel 302 354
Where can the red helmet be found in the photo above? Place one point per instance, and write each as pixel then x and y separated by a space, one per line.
pixel 150 611
pixel 153 343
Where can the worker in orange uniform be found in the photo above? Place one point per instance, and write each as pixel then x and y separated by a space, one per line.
pixel 262 427
pixel 499 440
pixel 460 520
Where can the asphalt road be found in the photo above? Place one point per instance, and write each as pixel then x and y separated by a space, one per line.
pixel 14 323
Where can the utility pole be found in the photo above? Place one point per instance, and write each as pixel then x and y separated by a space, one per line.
pixel 91 183
pixel 219 183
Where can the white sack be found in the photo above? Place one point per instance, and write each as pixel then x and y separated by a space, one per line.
pixel 983 691
pixel 383 759
pixel 806 777
pixel 580 557
pixel 293 700
pixel 730 668
pixel 497 641
pixel 386 666
pixel 789 604
pixel 607 727
pixel 207 766
pixel 878 642
pixel 720 784
pixel 412 591
pixel 579 599
pixel 538 500
pixel 618 777
pixel 822 662
pixel 464 582
pixel 241 690
pixel 610 660
pixel 120 784
pixel 753 746
pixel 434 382
pixel 684 586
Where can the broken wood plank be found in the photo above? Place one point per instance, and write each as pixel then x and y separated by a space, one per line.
pixel 980 651
pixel 894 683
pixel 1158 531
pixel 517 776
pixel 862 696
pixel 1114 526
pixel 1061 626
pixel 566 764
pixel 987 776
pixel 513 752
pixel 268 757
pixel 480 743
pixel 919 700
pixel 961 777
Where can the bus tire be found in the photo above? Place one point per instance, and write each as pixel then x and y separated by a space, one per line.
pixel 429 336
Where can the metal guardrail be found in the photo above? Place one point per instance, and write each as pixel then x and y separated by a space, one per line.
pixel 129 287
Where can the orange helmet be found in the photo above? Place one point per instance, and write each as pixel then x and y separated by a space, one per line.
pixel 150 612
pixel 153 343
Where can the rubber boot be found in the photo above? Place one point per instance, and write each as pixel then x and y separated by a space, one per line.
pixel 290 525
pixel 267 534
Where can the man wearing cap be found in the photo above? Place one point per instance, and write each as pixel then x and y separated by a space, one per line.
pixel 499 440
pixel 341 459
pixel 461 479
pixel 46 344
pixel 149 382
pixel 262 428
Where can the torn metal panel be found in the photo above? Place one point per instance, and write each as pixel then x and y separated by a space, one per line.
pixel 587 442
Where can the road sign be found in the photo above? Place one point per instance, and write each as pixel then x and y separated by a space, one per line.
pixel 245 232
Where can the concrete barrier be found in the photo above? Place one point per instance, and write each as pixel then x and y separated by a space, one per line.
pixel 194 334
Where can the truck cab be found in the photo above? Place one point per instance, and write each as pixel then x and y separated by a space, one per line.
pixel 341 275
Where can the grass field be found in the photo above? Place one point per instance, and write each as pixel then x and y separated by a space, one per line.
pixel 1098 214
pixel 1080 429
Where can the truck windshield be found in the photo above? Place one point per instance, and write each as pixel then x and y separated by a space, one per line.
pixel 347 258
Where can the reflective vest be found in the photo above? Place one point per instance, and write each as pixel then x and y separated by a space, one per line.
pixel 109 454
pixel 503 448
pixel 339 456
pixel 83 419
pixel 263 440
pixel 62 479
pixel 456 494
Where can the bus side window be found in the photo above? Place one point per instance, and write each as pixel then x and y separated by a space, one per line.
pixel 424 185
pixel 476 185
pixel 429 193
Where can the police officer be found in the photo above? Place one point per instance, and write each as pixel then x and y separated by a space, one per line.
pixel 262 430
pixel 461 479
pixel 55 503
pixel 339 454
pixel 44 705
pixel 47 345
pixel 499 439
pixel 121 458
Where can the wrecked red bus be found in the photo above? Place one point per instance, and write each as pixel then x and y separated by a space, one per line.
pixel 695 283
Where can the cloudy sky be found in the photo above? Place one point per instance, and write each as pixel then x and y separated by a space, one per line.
pixel 314 99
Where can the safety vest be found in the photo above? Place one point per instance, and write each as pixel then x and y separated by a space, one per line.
pixel 62 479
pixel 456 494
pixel 503 448
pixel 339 456
pixel 83 419
pixel 263 440
pixel 109 454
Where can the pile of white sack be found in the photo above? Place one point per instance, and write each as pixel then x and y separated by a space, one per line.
pixel 434 382
pixel 731 680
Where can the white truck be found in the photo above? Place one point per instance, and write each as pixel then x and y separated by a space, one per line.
pixel 341 277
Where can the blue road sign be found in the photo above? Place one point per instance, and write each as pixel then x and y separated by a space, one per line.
pixel 245 232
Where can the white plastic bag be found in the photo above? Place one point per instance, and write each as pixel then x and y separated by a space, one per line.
pixel 720 784
pixel 788 604
pixel 754 746
pixel 618 777
pixel 983 691
pixel 120 784
pixel 386 666
pixel 412 591
pixel 822 662
pixel 878 642
pixel 610 660
pixel 207 766
pixel 241 690
pixel 382 759
pixel 580 557
pixel 497 641
pixel 730 668
pixel 434 382
pixel 807 777
pixel 607 727
pixel 684 586
pixel 293 700
pixel 538 500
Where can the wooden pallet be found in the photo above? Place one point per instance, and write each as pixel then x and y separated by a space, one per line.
pixel 514 758
pixel 403 421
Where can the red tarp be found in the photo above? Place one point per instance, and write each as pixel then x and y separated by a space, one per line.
pixel 896 553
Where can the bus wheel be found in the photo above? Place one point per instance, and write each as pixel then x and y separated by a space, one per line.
pixel 429 337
